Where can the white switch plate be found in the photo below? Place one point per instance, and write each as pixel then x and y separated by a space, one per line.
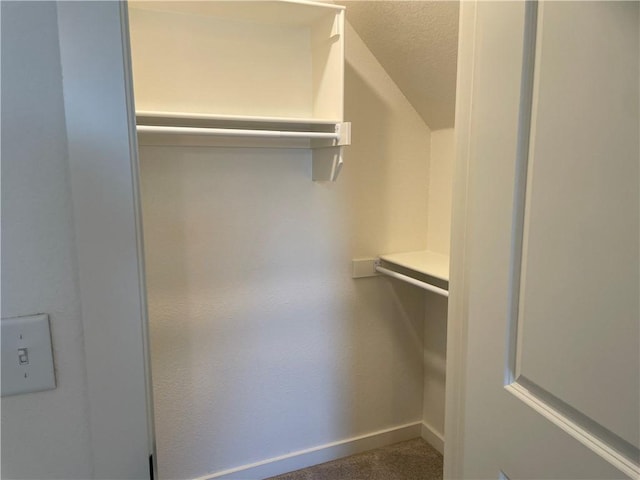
pixel 27 360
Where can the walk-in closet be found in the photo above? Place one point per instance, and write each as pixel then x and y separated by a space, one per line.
pixel 296 174
pixel 245 240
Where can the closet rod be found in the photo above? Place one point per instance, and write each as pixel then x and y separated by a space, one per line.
pixel 412 281
pixel 233 132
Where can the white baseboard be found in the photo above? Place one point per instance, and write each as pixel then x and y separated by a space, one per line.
pixel 433 437
pixel 320 454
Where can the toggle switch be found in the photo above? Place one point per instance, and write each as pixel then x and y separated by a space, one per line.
pixel 23 356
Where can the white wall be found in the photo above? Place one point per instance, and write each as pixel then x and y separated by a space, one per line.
pixel 440 189
pixel 438 238
pixel 262 344
pixel 45 434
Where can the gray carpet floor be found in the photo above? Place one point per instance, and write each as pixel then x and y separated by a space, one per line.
pixel 411 460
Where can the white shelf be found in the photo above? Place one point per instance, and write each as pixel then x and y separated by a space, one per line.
pixel 166 128
pixel 194 119
pixel 325 138
pixel 424 269
pixel 272 59
pixel 428 263
pixel 268 12
pixel 267 74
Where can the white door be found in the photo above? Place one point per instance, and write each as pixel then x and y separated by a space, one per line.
pixel 545 279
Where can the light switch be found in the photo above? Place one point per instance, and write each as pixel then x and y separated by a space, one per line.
pixel 27 360
pixel 23 356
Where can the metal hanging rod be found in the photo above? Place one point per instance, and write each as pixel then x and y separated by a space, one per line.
pixel 234 132
pixel 412 281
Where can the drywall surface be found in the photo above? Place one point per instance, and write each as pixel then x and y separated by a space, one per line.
pixel 44 434
pixel 438 238
pixel 440 189
pixel 385 188
pixel 435 358
pixel 262 344
pixel 417 43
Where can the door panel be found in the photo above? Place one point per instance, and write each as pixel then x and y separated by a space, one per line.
pixel 578 314
pixel 550 273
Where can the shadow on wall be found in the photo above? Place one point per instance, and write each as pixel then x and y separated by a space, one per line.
pixel 435 358
pixel 384 338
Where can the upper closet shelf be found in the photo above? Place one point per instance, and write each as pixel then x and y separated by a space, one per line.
pixel 326 138
pixel 425 269
pixel 169 128
pixel 257 59
pixel 207 119
pixel 264 73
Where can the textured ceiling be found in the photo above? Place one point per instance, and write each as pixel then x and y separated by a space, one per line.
pixel 416 42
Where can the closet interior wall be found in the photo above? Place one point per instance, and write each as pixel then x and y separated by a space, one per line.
pixel 262 344
pixel 435 327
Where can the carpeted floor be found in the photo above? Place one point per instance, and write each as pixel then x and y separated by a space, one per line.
pixel 410 460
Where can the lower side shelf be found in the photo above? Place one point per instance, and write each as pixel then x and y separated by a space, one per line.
pixel 424 269
pixel 412 281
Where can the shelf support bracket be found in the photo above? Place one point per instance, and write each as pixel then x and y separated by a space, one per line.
pixel 328 159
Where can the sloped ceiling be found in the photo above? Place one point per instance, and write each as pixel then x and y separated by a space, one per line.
pixel 416 42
